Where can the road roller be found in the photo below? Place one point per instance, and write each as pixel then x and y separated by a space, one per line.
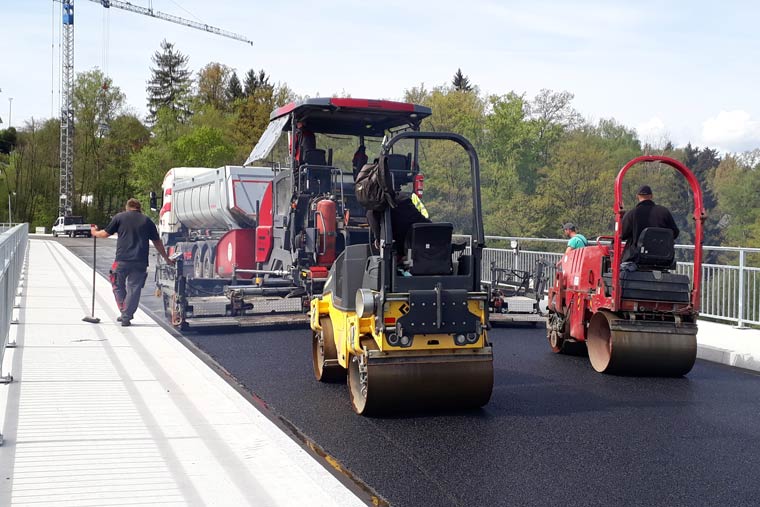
pixel 634 319
pixel 404 320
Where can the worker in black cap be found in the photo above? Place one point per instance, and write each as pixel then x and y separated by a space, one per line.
pixel 645 214
pixel 577 240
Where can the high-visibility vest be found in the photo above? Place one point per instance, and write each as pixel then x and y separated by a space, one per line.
pixel 420 206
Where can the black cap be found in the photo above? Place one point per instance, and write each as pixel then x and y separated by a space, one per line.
pixel 569 226
pixel 644 190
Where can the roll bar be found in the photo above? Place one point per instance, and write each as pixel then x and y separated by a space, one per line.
pixel 699 217
pixel 478 235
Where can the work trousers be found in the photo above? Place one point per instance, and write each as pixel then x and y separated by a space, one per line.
pixel 127 280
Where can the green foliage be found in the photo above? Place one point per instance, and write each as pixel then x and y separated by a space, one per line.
pixel 461 82
pixel 213 84
pixel 737 185
pixel 169 86
pixel 8 140
pixel 255 81
pixel 234 89
pixel 541 163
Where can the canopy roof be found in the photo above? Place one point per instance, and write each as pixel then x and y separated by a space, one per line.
pixel 351 117
pixel 355 117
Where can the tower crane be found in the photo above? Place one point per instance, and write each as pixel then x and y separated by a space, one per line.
pixel 67 82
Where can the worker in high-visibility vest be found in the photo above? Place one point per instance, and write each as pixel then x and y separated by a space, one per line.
pixel 420 205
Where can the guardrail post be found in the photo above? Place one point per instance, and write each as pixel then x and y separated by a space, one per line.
pixel 740 323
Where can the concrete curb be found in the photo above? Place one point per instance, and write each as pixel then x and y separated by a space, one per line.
pixel 721 343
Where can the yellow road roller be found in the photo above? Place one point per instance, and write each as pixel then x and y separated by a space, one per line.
pixel 404 317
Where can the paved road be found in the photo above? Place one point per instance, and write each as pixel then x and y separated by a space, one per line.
pixel 554 433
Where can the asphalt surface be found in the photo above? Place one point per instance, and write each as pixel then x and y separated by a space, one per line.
pixel 554 433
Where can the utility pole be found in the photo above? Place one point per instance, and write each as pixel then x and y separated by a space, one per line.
pixel 10 107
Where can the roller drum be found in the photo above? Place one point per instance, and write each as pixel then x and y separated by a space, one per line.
pixel 641 347
pixel 382 383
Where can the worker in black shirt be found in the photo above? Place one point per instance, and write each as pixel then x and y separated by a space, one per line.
pixel 130 268
pixel 645 214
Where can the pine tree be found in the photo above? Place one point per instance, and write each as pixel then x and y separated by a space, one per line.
pixel 254 81
pixel 234 89
pixel 169 87
pixel 461 82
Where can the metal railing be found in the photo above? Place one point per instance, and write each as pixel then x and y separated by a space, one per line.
pixel 730 275
pixel 13 243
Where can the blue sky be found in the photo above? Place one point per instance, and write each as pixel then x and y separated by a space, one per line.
pixel 684 71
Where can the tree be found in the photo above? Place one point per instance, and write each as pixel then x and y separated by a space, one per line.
pixel 213 82
pixel 461 82
pixel 552 115
pixel 736 185
pixel 97 102
pixel 8 140
pixel 169 86
pixel 234 89
pixel 254 81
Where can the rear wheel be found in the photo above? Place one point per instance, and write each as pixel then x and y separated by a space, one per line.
pixel 198 254
pixel 325 354
pixel 557 333
pixel 208 263
pixel 358 383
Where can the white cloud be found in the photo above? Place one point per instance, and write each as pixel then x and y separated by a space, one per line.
pixel 653 131
pixel 731 131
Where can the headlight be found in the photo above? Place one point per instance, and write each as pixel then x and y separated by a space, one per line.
pixel 365 303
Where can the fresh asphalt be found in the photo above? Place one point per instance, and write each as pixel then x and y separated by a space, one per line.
pixel 554 433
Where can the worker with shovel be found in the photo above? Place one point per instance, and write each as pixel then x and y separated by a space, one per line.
pixel 130 268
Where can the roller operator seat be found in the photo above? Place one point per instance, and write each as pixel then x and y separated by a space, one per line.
pixel 655 249
pixel 428 247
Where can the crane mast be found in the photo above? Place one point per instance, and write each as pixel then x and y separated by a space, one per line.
pixel 67 110
pixel 67 82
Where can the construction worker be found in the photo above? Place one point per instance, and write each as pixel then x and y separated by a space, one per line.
pixel 577 240
pixel 130 268
pixel 419 205
pixel 304 140
pixel 645 214
pixel 359 160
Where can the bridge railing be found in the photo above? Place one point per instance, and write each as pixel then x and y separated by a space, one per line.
pixel 13 246
pixel 730 275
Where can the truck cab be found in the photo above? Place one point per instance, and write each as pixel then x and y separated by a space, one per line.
pixel 71 226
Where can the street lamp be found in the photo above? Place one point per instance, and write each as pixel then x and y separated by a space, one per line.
pixel 10 215
pixel 8 186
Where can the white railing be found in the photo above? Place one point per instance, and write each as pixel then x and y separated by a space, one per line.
pixel 13 242
pixel 730 281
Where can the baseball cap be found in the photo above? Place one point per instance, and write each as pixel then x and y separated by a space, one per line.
pixel 644 190
pixel 569 225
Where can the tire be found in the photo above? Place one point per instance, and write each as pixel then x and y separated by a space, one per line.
pixel 198 261
pixel 208 263
pixel 323 348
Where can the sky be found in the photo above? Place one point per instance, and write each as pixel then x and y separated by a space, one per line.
pixel 680 70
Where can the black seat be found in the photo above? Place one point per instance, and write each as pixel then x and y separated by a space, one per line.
pixel 656 249
pixel 428 247
pixel 398 165
pixel 315 157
